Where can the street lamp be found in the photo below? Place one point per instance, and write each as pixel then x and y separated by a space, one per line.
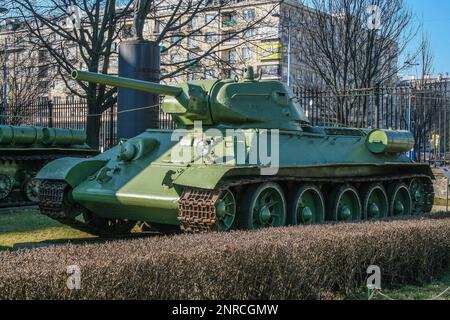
pixel 277 15
pixel 410 65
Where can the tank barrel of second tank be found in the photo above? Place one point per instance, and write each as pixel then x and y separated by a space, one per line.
pixel 127 83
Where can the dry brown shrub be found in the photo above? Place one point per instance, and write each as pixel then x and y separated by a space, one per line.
pixel 311 262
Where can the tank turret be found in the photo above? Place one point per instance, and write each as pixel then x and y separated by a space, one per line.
pixel 248 103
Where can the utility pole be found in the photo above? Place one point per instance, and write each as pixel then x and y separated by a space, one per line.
pixel 410 65
pixel 277 15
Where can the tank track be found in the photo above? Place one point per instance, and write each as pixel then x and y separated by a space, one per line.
pixel 53 204
pixel 197 207
pixel 16 198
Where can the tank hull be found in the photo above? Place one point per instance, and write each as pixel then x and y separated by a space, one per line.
pixel 151 186
pixel 25 150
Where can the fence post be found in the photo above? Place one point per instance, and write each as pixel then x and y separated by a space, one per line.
pixel 111 127
pixel 50 113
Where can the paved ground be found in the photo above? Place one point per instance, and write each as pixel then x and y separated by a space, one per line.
pixel 440 208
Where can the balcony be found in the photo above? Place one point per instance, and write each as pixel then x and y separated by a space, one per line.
pixel 229 23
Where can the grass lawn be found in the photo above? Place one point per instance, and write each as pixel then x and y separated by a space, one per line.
pixel 425 292
pixel 28 225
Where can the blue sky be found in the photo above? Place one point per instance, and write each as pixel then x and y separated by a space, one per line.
pixel 435 15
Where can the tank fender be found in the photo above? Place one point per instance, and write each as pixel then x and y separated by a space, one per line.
pixel 203 177
pixel 71 170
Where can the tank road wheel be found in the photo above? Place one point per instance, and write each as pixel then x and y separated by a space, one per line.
pixel 417 189
pixel 400 200
pixel 263 206
pixel 30 189
pixel 344 204
pixel 225 211
pixel 375 203
pixel 306 206
pixel 6 186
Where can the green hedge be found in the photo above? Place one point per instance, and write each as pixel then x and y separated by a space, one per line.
pixel 312 262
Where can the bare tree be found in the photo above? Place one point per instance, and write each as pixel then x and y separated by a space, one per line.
pixel 186 26
pixel 24 72
pixel 353 44
pixel 90 41
pixel 424 95
pixel 79 34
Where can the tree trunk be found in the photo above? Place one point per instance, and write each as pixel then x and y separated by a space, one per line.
pixel 93 123
pixel 93 131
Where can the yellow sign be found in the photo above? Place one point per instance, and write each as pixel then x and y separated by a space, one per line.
pixel 435 139
pixel 270 51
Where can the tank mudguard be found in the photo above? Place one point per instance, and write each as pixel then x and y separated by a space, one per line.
pixel 71 170
pixel 203 177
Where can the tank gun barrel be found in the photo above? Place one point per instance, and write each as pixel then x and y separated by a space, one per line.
pixel 133 84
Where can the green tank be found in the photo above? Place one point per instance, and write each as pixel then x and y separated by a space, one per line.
pixel 244 156
pixel 25 150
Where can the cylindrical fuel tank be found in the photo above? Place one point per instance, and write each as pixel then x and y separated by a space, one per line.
pixel 20 135
pixel 56 136
pixel 138 60
pixel 389 141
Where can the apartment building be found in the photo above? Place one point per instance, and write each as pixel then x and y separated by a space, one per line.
pixel 216 43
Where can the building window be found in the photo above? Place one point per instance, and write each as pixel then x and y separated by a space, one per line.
pixel 175 58
pixel 192 56
pixel 269 71
pixel 249 33
pixel 175 39
pixel 211 37
pixel 194 22
pixel 211 74
pixel 43 55
pixel 230 37
pixel 191 76
pixel 247 54
pixel 127 31
pixel 209 18
pixel 232 56
pixel 43 72
pixel 229 19
pixel 192 42
pixel 72 52
pixel 114 47
pixel 249 14
pixel 230 74
pixel 158 26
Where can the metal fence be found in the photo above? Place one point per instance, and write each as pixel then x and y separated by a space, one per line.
pixel 70 113
pixel 422 108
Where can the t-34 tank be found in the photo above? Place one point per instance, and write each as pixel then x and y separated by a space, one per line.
pixel 244 156
pixel 25 150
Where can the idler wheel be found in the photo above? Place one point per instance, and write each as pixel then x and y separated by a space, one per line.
pixel 375 202
pixel 306 206
pixel 417 190
pixel 400 203
pixel 344 204
pixel 226 211
pixel 6 186
pixel 263 206
pixel 30 189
